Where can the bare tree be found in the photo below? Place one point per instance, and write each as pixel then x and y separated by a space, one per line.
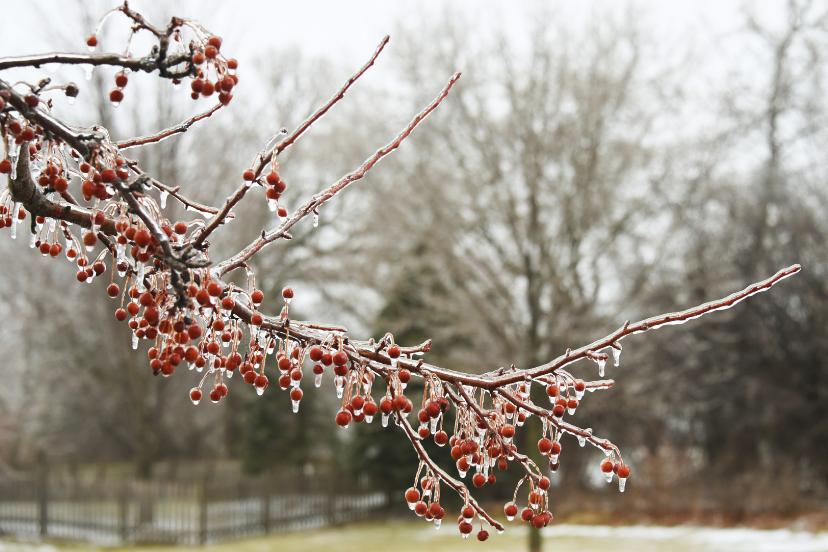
pixel 175 294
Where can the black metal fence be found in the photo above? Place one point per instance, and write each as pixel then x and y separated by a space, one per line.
pixel 200 511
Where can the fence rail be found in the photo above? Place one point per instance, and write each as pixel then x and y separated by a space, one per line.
pixel 180 512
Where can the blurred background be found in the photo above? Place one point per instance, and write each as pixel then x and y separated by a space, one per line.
pixel 596 162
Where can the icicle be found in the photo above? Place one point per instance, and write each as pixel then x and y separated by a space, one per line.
pixel 385 419
pixel 315 224
pixel 437 523
pixel 295 406
pixel 139 279
pixel 134 341
pixel 393 363
pixel 601 364
pixel 71 100
pixel 609 477
pixel 616 354
pixel 621 482
pixel 434 425
pixel 88 69
pixel 15 220
pixel 581 440
pixel 259 391
pixel 339 382
pixel 164 195
pixel 191 365
pixel 317 380
pixel 32 240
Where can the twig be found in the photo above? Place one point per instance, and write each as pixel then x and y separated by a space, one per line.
pixel 317 200
pixel 262 163
pixel 166 133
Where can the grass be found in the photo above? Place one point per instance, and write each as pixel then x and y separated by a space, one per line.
pixel 405 536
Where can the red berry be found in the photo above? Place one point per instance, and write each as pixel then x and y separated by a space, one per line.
pixel 543 483
pixel 31 100
pixel 340 359
pixel 214 289
pixel 195 395
pixel 287 293
pixel 113 290
pixel 224 98
pixel 120 315
pixel 121 80
pixel 405 376
pixel 5 166
pixel 226 84
pixel 552 390
pixel 209 88
pixel 482 535
pixel 394 351
pixel 248 175
pixel 558 411
pixel 116 96
pixel 215 395
pixel 92 41
pixel 479 480
pixel 343 418
pixel 579 386
pixel 210 52
pixel 296 394
pixel 198 59
pixel 257 319
pixel 215 42
pixel 623 472
pixel 261 382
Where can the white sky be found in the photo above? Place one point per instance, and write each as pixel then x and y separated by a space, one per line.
pixel 349 30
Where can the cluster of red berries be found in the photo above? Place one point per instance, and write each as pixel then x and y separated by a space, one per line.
pixel 224 69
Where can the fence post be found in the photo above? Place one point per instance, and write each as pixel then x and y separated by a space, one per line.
pixel 123 508
pixel 202 511
pixel 266 489
pixel 43 499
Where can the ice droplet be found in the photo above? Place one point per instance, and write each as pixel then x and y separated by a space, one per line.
pixel 176 86
pixel 317 380
pixel 465 535
pixel 616 354
pixel 134 341
pixel 315 224
pixel 500 531
pixel 621 482
pixel 32 240
pixel 71 100
pixel 368 419
pixel 259 391
pixel 385 420
pixel 601 364
pixel 164 195
pixel 609 477
pixel 116 104
pixel 295 406
pixel 437 523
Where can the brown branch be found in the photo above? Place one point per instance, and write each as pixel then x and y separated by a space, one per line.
pixel 24 190
pixel 145 64
pixel 311 206
pixel 240 192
